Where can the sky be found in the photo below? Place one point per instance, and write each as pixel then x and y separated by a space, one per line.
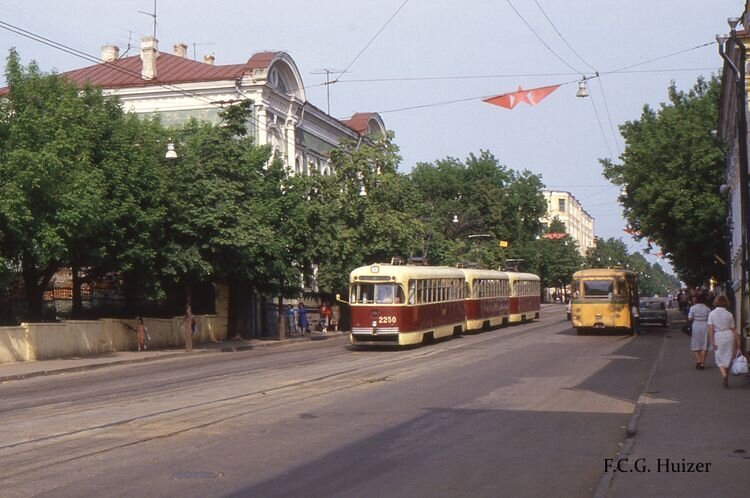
pixel 425 65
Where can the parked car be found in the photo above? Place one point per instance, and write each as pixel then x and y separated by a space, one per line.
pixel 653 310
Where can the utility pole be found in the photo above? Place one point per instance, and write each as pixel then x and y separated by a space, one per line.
pixel 328 72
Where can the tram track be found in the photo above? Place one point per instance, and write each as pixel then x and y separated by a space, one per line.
pixel 20 456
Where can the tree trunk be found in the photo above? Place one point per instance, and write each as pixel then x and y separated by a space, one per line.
pixel 281 318
pixel 35 282
pixel 77 299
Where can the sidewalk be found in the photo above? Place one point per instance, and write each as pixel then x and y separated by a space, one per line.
pixel 27 369
pixel 684 418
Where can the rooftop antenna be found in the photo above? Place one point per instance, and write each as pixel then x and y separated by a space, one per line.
pixel 151 15
pixel 328 72
pixel 200 45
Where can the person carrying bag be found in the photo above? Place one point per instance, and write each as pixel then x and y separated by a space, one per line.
pixel 739 365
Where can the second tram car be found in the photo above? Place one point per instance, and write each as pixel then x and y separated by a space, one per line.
pixel 487 299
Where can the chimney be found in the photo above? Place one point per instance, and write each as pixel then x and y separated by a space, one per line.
pixel 110 53
pixel 149 53
pixel 180 50
pixel 209 59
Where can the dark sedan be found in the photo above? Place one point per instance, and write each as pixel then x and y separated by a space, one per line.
pixel 653 310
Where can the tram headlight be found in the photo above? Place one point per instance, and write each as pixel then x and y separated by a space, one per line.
pixel 374 323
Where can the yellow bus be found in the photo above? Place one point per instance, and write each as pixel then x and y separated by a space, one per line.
pixel 603 298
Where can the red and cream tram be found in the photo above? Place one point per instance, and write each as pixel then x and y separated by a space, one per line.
pixel 487 298
pixel 402 305
pixel 525 295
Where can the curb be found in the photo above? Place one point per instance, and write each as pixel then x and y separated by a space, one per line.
pixel 225 349
pixel 631 430
pixel 93 366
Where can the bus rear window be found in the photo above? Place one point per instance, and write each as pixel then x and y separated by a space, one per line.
pixel 597 288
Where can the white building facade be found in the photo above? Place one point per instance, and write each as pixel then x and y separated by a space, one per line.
pixel 178 88
pixel 578 223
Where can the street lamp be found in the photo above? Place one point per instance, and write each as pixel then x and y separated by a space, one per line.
pixel 582 92
pixel 171 154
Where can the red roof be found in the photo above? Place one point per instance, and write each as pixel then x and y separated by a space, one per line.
pixel 359 122
pixel 170 69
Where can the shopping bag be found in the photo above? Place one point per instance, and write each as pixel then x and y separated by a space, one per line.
pixel 739 365
pixel 687 329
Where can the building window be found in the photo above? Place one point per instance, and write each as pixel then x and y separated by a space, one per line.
pixel 561 205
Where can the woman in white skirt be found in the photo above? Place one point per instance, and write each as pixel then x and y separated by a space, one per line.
pixel 723 336
pixel 698 318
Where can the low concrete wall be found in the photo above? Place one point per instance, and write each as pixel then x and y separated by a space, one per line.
pixel 46 341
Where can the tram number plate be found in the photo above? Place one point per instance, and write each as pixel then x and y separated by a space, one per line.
pixel 382 320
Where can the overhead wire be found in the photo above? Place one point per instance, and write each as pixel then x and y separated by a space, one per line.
pixel 541 40
pixel 562 37
pixel 502 76
pixel 367 45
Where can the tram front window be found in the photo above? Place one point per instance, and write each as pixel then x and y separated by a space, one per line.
pixel 377 294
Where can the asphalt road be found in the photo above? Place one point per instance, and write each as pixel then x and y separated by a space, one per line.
pixel 526 410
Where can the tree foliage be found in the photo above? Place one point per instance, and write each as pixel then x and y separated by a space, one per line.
pixel 469 207
pixel 670 174
pixel 55 204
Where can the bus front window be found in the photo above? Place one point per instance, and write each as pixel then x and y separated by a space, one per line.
pixel 597 288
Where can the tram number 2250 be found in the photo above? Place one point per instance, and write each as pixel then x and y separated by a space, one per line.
pixel 382 320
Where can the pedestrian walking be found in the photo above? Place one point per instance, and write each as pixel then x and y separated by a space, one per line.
pixel 140 334
pixel 698 323
pixel 722 333
pixel 325 316
pixel 335 316
pixel 302 316
pixel 291 319
pixel 187 325
pixel 636 318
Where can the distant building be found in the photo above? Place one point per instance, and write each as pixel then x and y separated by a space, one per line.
pixel 578 223
pixel 178 88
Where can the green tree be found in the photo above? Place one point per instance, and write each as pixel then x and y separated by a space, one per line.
pixel 370 212
pixel 609 253
pixel 670 173
pixel 54 209
pixel 484 198
pixel 223 207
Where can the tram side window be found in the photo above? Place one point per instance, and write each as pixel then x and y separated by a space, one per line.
pixel 412 291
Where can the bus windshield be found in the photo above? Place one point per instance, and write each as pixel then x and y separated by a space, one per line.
pixel 376 294
pixel 598 288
